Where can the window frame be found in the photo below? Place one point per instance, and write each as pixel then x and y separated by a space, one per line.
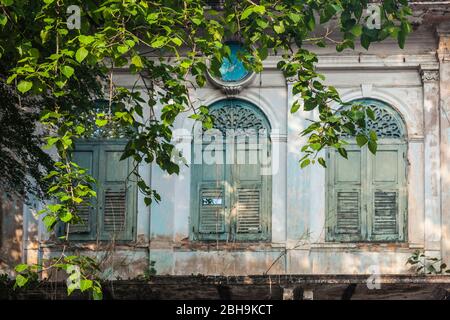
pixel 367 186
pixel 97 232
pixel 230 192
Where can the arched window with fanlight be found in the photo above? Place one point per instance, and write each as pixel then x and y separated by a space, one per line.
pixel 366 193
pixel 231 175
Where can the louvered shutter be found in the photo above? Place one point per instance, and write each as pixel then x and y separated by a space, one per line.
pixel 251 197
pixel 212 215
pixel 209 193
pixel 117 192
pixel 345 201
pixel 388 199
pixel 248 210
pixel 235 185
pixel 115 208
pixel 85 157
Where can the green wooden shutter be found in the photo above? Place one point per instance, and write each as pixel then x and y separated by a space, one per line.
pixel 86 157
pixel 210 196
pixel 251 193
pixel 212 210
pixel 387 207
pixel 117 195
pixel 243 211
pixel 345 197
pixel 248 209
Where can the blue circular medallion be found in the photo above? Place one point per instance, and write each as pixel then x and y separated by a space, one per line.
pixel 233 69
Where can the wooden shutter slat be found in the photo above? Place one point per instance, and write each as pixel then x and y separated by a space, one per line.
pixel 348 212
pixel 115 204
pixel 212 218
pixel 248 210
pixel 385 212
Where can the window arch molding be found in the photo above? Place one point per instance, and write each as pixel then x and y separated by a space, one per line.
pixel 398 104
pixel 366 193
pixel 389 123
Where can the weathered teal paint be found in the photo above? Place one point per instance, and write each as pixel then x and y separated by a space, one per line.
pixel 231 200
pixel 366 194
pixel 232 68
pixel 113 215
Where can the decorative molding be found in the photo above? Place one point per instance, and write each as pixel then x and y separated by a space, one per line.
pixel 387 123
pixel 366 90
pixel 429 72
pixel 291 80
pixel 236 118
pixel 429 75
pixel 231 88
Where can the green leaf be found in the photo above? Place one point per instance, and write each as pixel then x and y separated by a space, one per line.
pixel 322 162
pixel 80 129
pixel 343 152
pixel 137 61
pixel 21 267
pixel 97 293
pixel 401 39
pixel 247 12
pixel 295 107
pixel 3 20
pixel 81 54
pixel 85 285
pixel 370 113
pixel 361 140
pixel 177 41
pixel 86 39
pixel 356 30
pixel 21 280
pixel 66 217
pixel 279 28
pixel 305 163
pixel 259 9
pixel 67 71
pixel 101 122
pixel 365 41
pixel 24 86
pixel 197 21
pixel 122 49
pixel 7 2
pixel 373 146
pixel 49 221
pixel 158 43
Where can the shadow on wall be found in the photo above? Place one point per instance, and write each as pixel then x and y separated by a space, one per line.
pixel 11 231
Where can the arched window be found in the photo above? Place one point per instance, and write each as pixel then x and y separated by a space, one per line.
pixel 366 193
pixel 231 184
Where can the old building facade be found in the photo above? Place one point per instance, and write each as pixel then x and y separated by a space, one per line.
pixel 358 216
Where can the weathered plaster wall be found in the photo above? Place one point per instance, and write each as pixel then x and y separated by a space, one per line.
pixel 444 78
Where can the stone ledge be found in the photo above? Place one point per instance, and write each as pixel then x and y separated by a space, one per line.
pixel 290 287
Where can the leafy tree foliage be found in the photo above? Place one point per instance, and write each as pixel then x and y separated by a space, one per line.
pixel 22 161
pixel 170 45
